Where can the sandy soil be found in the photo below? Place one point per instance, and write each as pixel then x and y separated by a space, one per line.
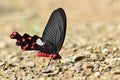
pixel 91 49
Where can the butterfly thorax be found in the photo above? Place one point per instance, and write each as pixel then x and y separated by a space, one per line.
pixel 52 56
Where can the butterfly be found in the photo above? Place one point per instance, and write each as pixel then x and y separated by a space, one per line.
pixel 52 38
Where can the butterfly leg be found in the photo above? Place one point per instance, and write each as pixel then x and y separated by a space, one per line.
pixel 48 63
pixel 48 69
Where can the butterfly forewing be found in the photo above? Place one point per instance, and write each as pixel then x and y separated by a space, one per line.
pixel 55 29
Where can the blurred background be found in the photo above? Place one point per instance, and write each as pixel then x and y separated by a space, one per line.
pixel 85 18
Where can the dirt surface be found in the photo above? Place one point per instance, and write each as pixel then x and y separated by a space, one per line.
pixel 91 50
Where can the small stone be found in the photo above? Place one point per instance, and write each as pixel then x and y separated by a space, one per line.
pixel 97 74
pixel 79 68
pixel 77 57
pixel 86 54
pixel 50 78
pixel 65 67
pixel 42 78
pixel 22 67
pixel 18 78
pixel 8 66
pixel 89 47
pixel 83 73
pixel 2 63
pixel 14 59
pixel 115 72
pixel 93 56
pixel 90 60
pixel 96 66
pixel 50 69
pixel 105 50
pixel 28 77
pixel 61 72
pixel 24 73
pixel 30 64
pixel 57 70
pixel 46 71
pixel 115 49
pixel 68 63
pixel 72 45
pixel 86 66
pixel 66 60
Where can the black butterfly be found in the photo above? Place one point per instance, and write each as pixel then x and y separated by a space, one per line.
pixel 52 39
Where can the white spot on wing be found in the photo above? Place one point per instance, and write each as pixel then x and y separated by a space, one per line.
pixel 39 42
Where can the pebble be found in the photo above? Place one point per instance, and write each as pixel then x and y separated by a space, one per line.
pixel 115 49
pixel 72 45
pixel 2 63
pixel 14 59
pixel 79 68
pixel 105 50
pixel 86 54
pixel 90 60
pixel 42 78
pixel 97 74
pixel 57 70
pixel 18 78
pixel 66 60
pixel 61 72
pixel 49 69
pixel 50 78
pixel 94 56
pixel 28 77
pixel 46 71
pixel 86 66
pixel 30 64
pixel 68 63
pixel 24 73
pixel 89 48
pixel 115 72
pixel 96 66
pixel 77 57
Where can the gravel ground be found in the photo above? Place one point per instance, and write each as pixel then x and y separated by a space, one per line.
pixel 91 50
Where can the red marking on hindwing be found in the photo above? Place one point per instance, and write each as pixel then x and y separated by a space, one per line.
pixel 54 56
pixel 23 39
pixel 13 35
pixel 18 42
pixel 29 38
pixel 25 47
pixel 33 46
